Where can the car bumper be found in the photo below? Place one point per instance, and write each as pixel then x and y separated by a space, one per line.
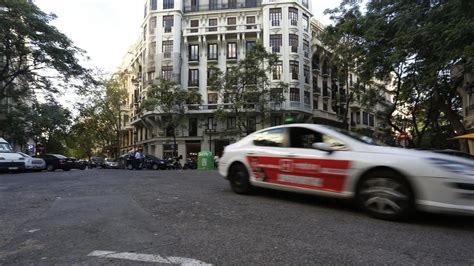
pixel 35 167
pixel 447 196
pixel 12 166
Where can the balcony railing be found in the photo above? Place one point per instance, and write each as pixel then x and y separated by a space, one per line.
pixel 218 5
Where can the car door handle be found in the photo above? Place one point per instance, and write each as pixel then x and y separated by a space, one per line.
pixel 251 153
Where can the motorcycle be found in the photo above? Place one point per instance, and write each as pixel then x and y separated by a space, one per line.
pixel 173 163
pixel 190 164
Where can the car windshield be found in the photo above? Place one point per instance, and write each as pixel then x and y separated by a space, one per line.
pixel 152 157
pixel 59 156
pixel 24 155
pixel 353 135
pixel 5 148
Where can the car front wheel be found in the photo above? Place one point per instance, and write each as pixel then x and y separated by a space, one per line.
pixel 239 179
pixel 50 168
pixel 385 195
pixel 154 166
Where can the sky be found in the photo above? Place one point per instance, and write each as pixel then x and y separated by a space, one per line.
pixel 107 28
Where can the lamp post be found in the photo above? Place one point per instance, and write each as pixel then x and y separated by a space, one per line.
pixel 211 129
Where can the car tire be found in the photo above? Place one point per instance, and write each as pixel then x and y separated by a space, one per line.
pixel 50 168
pixel 130 166
pixel 154 166
pixel 239 179
pixel 384 194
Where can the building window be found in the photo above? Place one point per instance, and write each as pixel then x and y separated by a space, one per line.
pixel 212 24
pixel 250 3
pixel 365 118
pixel 212 51
pixel 357 115
pixel 293 16
pixel 232 3
pixel 192 128
pixel 144 32
pixel 307 98
pixel 294 94
pixel 168 4
pixel 306 48
pixel 167 49
pixel 231 122
pixel 305 3
pixel 275 16
pixel 232 50
pixel 231 22
pixel 315 103
pixel 193 77
pixel 251 125
pixel 249 45
pixel 194 5
pixel 275 42
pixel 168 23
pixel 306 23
pixel 145 11
pixel 275 120
pixel 213 5
pixel 371 120
pixel 294 69
pixel 153 5
pixel 194 26
pixel 294 43
pixel 212 99
pixel 277 71
pixel 152 26
pixel 167 72
pixel 325 105
pixel 251 23
pixel 306 74
pixel 193 52
pixel 152 50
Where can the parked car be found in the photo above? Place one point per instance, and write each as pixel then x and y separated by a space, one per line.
pixel 58 161
pixel 79 164
pixel 97 162
pixel 33 164
pixel 10 160
pixel 126 161
pixel 152 162
pixel 111 164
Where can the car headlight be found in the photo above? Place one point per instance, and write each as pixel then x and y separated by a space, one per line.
pixel 454 166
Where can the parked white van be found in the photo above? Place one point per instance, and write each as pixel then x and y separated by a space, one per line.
pixel 10 160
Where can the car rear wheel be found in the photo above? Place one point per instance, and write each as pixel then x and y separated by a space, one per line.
pixel 130 166
pixel 154 166
pixel 50 167
pixel 239 179
pixel 385 195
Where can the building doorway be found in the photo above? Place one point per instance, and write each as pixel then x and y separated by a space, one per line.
pixel 219 146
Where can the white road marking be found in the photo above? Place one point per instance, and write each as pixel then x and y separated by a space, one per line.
pixel 33 230
pixel 145 257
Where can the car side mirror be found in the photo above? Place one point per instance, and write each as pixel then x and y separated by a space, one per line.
pixel 322 147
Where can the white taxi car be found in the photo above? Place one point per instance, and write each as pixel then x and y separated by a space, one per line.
pixel 387 182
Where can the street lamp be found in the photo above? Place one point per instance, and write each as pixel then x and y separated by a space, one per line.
pixel 211 129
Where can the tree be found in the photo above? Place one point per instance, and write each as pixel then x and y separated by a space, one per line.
pixel 51 125
pixel 83 137
pixel 418 44
pixel 167 98
pixel 34 51
pixel 247 89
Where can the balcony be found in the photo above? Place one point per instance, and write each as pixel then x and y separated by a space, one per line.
pixel 221 29
pixel 239 4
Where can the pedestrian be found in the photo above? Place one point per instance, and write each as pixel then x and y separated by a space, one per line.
pixel 138 159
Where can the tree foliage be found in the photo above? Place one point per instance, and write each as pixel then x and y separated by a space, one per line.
pixel 418 44
pixel 246 88
pixel 34 51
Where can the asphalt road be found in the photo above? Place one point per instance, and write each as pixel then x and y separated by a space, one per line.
pixel 62 217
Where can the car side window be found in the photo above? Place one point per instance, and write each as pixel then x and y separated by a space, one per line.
pixel 301 137
pixel 270 138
